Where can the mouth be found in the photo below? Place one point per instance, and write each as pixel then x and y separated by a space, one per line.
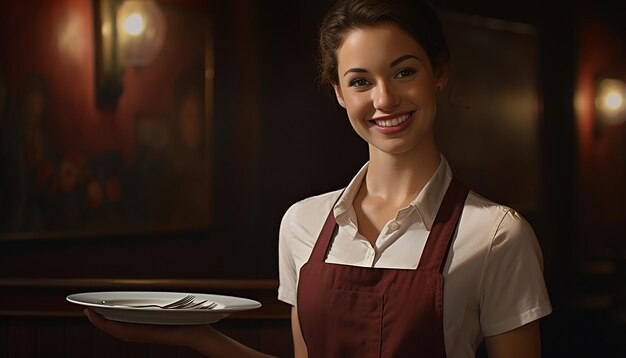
pixel 393 120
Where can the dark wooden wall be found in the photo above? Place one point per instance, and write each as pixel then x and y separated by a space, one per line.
pixel 277 140
pixel 38 322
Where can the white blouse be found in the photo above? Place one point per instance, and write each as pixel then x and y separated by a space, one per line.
pixel 493 277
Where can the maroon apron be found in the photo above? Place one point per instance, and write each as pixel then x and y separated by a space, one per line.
pixel 351 311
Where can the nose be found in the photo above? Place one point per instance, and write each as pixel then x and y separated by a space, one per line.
pixel 385 97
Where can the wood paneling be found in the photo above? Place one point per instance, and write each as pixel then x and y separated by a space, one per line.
pixel 21 340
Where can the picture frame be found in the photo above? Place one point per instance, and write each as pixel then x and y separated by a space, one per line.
pixel 103 187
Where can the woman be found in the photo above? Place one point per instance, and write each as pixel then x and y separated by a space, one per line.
pixel 405 261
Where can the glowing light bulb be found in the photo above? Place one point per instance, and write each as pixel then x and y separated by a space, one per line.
pixel 140 31
pixel 134 24
pixel 613 100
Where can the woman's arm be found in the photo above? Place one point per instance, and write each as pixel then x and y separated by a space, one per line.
pixel 522 342
pixel 202 338
pixel 299 346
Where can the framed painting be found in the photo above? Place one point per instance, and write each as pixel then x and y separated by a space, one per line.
pixel 75 169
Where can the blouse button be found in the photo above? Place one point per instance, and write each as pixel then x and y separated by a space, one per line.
pixel 394 225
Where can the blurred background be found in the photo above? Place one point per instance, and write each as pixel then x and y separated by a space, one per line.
pixel 155 145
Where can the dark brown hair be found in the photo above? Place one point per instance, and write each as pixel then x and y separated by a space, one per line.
pixel 415 17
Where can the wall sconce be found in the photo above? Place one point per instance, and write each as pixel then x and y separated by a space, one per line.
pixel 610 101
pixel 140 32
pixel 128 33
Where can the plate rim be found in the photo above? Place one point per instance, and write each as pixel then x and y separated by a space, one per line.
pixel 249 304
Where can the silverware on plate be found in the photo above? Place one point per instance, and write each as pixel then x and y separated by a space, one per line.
pixel 186 302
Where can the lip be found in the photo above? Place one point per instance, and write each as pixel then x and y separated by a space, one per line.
pixel 396 129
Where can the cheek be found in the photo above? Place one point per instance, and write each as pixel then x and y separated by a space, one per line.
pixel 424 99
pixel 358 105
pixel 423 89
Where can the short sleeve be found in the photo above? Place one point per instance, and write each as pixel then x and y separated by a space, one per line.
pixel 512 291
pixel 287 272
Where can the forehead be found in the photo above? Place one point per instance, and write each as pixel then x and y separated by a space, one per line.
pixel 380 43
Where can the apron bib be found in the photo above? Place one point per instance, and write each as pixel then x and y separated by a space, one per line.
pixel 351 311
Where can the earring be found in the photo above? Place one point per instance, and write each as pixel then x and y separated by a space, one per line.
pixel 438 88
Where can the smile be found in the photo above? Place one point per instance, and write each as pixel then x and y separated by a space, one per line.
pixel 392 122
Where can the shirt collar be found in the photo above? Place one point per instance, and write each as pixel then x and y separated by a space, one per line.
pixel 344 204
pixel 429 199
pixel 426 203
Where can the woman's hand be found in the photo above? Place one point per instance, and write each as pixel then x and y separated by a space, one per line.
pixel 146 333
pixel 202 338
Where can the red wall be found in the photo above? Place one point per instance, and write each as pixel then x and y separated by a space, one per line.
pixel 59 45
pixel 602 148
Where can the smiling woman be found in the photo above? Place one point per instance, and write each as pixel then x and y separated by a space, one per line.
pixel 404 232
pixel 405 261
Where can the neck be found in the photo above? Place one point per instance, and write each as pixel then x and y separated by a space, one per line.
pixel 398 178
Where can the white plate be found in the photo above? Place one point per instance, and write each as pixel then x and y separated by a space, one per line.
pixel 111 306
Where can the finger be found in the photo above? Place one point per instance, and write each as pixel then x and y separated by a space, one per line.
pixel 179 335
pixel 97 320
pixel 94 318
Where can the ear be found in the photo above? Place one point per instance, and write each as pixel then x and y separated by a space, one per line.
pixel 441 79
pixel 339 95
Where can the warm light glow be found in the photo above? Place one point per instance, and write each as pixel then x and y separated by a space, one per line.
pixel 611 101
pixel 71 37
pixel 141 32
pixel 134 24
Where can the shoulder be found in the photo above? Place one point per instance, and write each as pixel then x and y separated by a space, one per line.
pixel 498 231
pixel 508 239
pixel 499 219
pixel 311 208
pixel 303 221
pixel 298 233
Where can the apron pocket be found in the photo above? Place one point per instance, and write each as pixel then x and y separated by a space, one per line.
pixel 355 324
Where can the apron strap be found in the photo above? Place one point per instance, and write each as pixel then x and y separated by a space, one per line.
pixel 440 236
pixel 322 245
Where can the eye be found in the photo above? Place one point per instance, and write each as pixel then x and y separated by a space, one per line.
pixel 358 82
pixel 405 72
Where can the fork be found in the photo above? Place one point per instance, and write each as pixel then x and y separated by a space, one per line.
pixel 188 305
pixel 208 307
pixel 199 305
pixel 181 303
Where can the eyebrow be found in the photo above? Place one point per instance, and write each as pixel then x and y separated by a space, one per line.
pixel 402 58
pixel 392 64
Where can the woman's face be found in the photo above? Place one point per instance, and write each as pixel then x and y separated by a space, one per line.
pixel 387 86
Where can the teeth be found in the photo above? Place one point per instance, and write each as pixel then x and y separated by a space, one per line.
pixel 392 122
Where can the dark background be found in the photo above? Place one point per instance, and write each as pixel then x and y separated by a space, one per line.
pixel 278 138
